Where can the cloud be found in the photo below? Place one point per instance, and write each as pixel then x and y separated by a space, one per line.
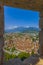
pixel 27 26
pixel 11 27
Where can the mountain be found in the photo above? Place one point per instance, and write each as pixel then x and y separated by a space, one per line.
pixel 19 29
pixel 31 29
pixel 22 29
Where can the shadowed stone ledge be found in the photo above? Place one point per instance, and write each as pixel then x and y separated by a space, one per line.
pixel 16 61
pixel 33 60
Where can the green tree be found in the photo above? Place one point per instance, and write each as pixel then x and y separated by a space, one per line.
pixel 9 56
pixel 23 55
pixel 32 53
pixel 13 49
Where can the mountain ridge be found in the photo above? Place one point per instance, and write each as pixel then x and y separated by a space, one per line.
pixel 22 29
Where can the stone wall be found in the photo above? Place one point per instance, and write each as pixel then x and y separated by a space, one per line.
pixel 41 20
pixel 41 33
pixel 34 5
pixel 1 33
pixel 25 4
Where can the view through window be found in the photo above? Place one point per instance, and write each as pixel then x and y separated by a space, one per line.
pixel 21 33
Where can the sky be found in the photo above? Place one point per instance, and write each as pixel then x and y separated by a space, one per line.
pixel 17 17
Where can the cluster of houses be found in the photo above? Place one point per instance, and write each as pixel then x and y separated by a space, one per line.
pixel 23 43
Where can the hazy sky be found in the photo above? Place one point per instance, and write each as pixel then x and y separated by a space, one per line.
pixel 15 17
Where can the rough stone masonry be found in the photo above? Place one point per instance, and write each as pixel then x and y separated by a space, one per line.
pixel 25 4
pixel 1 33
